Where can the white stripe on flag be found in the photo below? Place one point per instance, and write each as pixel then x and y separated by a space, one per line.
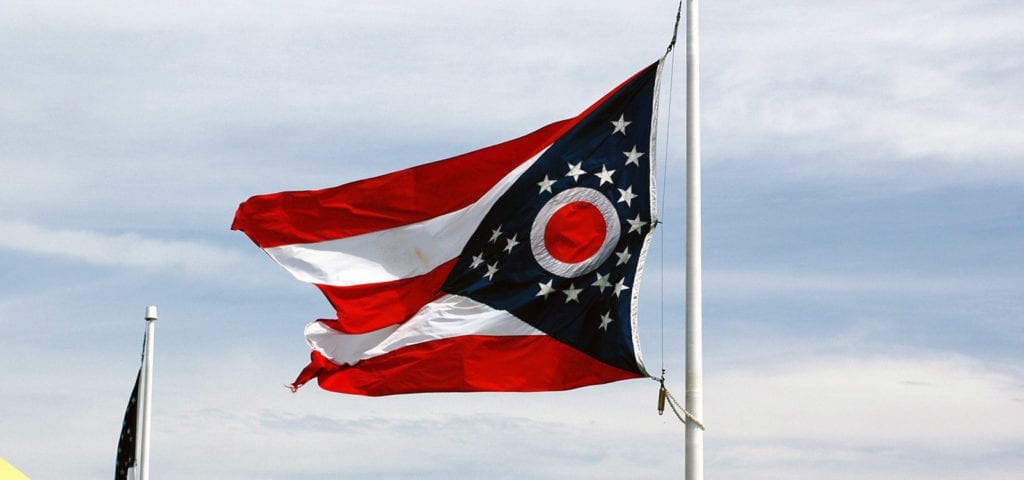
pixel 381 256
pixel 447 317
pixel 395 253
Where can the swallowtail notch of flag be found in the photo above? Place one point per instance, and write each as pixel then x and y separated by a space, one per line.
pixel 515 267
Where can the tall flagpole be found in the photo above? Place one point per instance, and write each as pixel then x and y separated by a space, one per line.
pixel 147 390
pixel 694 295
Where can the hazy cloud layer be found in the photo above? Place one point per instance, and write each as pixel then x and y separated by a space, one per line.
pixel 863 181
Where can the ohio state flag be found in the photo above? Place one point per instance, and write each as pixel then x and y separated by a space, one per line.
pixel 512 268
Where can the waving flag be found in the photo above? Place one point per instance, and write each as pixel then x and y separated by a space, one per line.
pixel 511 268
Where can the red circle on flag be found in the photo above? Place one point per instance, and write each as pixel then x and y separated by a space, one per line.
pixel 575 232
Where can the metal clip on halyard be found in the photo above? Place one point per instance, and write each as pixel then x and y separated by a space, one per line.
pixel 681 413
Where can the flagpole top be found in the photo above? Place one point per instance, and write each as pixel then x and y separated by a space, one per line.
pixel 151 313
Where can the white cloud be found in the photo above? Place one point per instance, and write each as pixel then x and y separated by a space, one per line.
pixel 908 90
pixel 915 415
pixel 946 404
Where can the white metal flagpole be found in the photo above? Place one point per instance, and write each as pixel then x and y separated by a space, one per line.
pixel 694 295
pixel 147 390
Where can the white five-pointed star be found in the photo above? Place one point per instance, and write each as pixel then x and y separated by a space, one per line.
pixel 627 195
pixel 602 282
pixel 624 256
pixel 545 185
pixel 636 224
pixel 512 242
pixel 572 294
pixel 605 320
pixel 492 268
pixel 620 125
pixel 495 234
pixel 546 289
pixel 575 171
pixel 633 156
pixel 620 287
pixel 605 175
pixel 477 260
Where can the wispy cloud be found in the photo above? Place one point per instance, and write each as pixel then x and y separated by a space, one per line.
pixel 117 250
pixel 744 282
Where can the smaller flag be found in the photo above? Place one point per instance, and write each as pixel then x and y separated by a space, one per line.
pixel 124 469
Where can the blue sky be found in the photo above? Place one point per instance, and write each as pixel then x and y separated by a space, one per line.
pixel 863 234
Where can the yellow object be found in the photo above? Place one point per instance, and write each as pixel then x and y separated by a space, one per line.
pixel 8 472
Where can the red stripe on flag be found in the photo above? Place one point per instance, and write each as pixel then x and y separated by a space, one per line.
pixel 391 200
pixel 465 364
pixel 368 307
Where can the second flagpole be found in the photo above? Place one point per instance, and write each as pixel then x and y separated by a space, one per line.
pixel 147 392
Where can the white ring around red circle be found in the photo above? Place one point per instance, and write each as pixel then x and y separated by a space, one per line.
pixel 583 267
